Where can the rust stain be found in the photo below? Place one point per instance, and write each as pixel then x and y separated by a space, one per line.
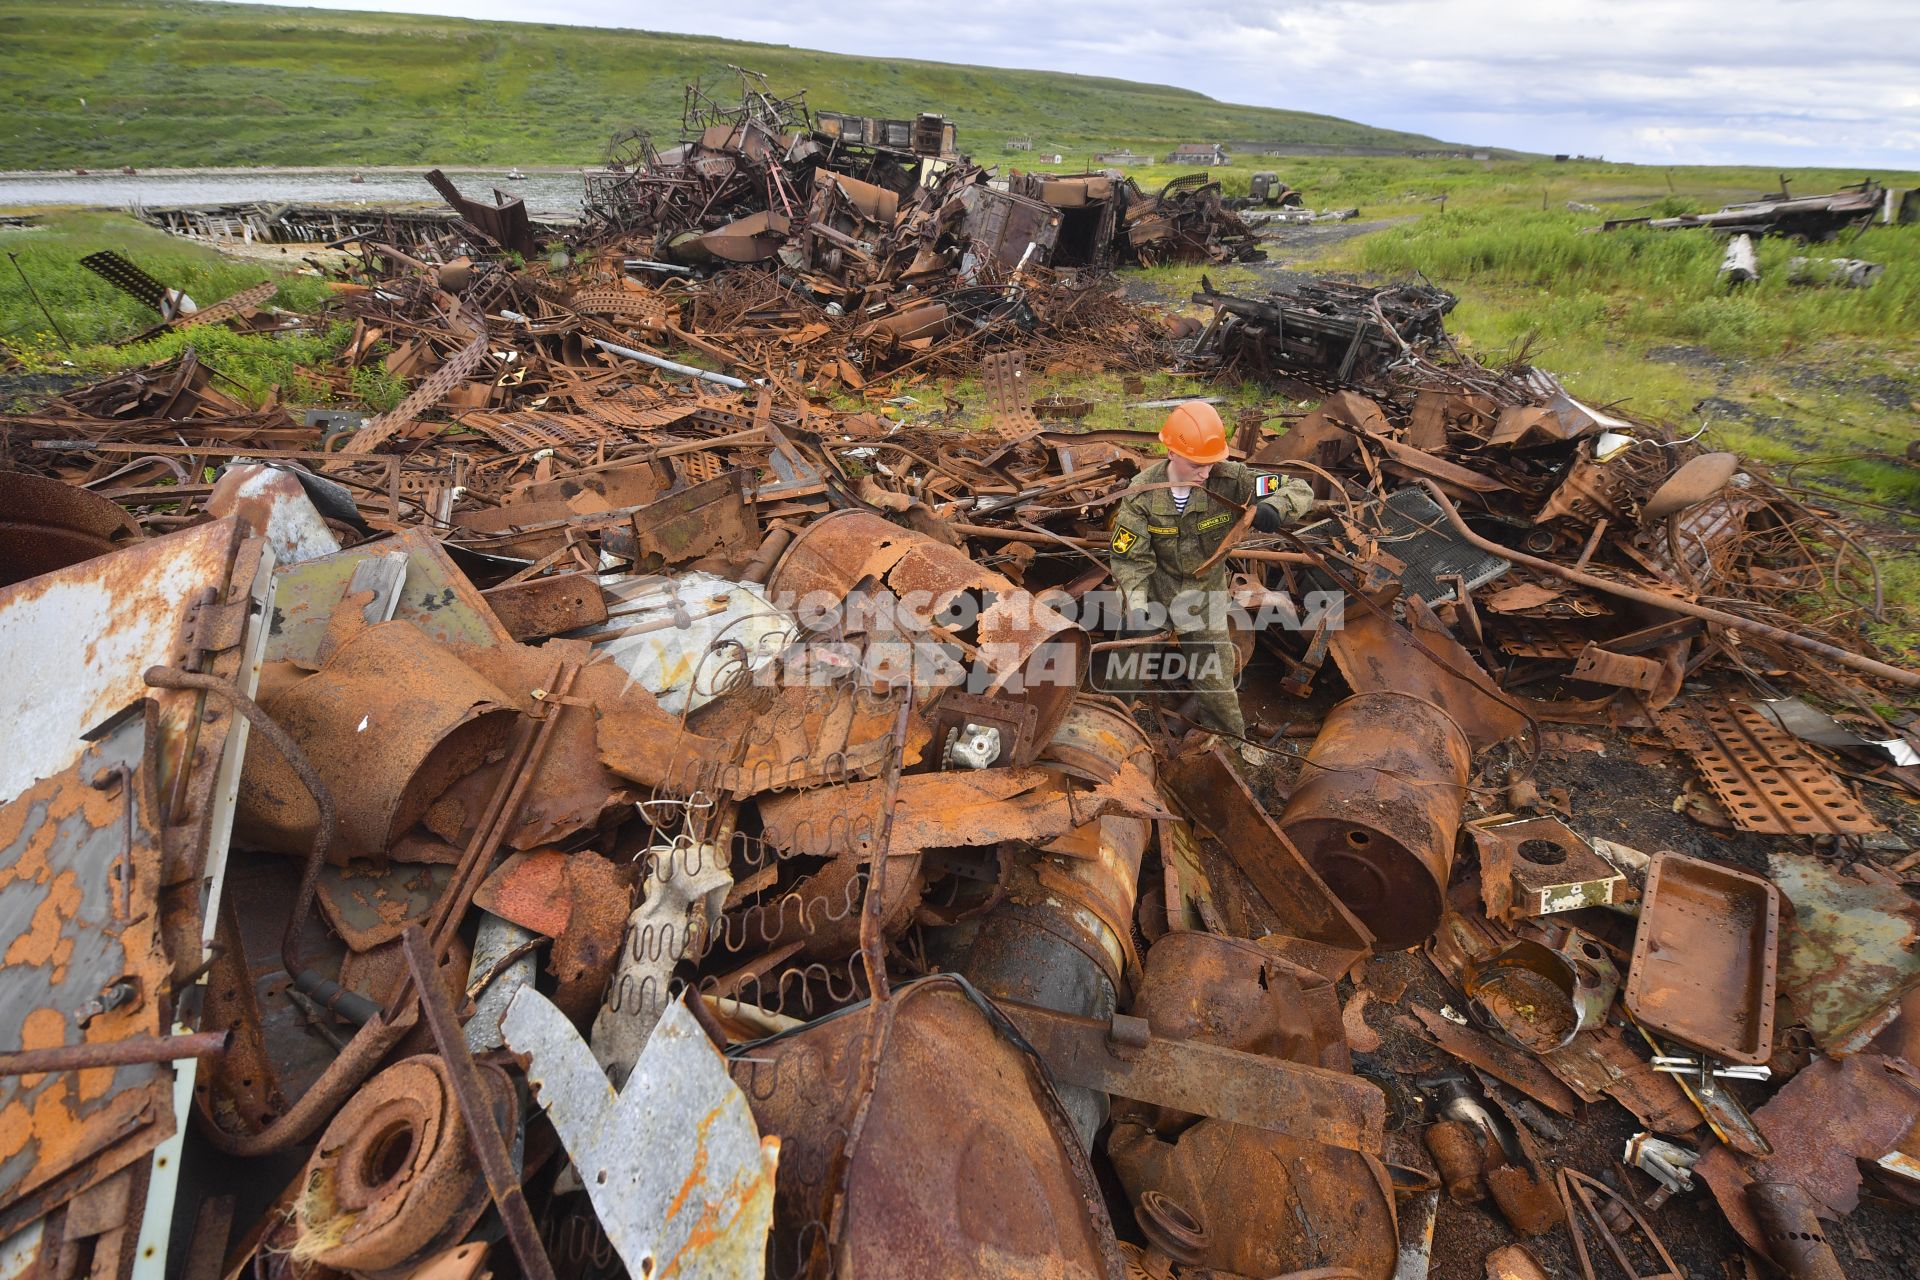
pixel 42 943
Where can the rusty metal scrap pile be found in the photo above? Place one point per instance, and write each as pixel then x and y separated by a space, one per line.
pixel 461 841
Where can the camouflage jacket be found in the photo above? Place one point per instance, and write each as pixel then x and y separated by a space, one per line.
pixel 1157 550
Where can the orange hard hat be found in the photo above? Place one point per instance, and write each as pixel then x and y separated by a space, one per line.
pixel 1194 431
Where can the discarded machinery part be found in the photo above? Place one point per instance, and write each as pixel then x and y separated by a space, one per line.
pixel 1695 481
pixel 1169 1228
pixel 1377 808
pixel 1026 651
pixel 685 882
pixel 1270 1205
pixel 392 1180
pixel 1764 779
pixel 661 362
pixel 1794 1238
pixel 46 524
pixel 503 962
pixel 1705 957
pixel 1540 997
pixel 113 1053
pixel 1674 604
pixel 1539 866
pixel 952 1094
pixel 971 746
pixel 1590 1203
pixel 1668 1163
pixel 1009 396
pixel 1216 797
pixel 390 722
pixel 697 1199
pixel 469 1091
pixel 548 606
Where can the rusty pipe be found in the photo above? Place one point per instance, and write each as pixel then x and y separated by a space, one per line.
pixel 113 1053
pixel 342 1076
pixel 1639 595
pixel 268 728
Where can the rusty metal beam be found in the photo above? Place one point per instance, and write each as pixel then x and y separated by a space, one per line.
pixel 488 1148
pixel 1309 1103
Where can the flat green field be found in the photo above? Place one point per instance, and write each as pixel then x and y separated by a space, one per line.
pixel 152 84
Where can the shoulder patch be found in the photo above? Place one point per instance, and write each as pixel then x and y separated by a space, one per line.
pixel 1124 541
pixel 1266 484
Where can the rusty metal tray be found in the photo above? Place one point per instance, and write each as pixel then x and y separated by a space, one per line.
pixel 1705 957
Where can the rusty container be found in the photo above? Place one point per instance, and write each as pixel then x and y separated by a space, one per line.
pixel 390 723
pixel 1377 808
pixel 1024 650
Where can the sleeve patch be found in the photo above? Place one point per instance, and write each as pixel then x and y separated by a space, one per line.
pixel 1124 541
pixel 1266 484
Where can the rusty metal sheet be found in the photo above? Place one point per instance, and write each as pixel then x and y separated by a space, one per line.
pixel 1214 796
pixel 531 890
pixel 1821 1125
pixel 80 866
pixel 957 1113
pixel 1503 1062
pixel 547 606
pixel 368 904
pixel 1763 778
pixel 571 790
pixel 76 643
pixel 1705 957
pixel 955 809
pixel 1850 951
pixel 713 517
pixel 1255 1089
pixel 434 596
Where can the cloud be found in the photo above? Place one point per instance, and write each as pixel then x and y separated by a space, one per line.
pixel 1672 81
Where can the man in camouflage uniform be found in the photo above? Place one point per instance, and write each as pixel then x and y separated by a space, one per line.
pixel 1172 520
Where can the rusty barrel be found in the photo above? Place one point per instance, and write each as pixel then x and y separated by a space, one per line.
pixel 1377 808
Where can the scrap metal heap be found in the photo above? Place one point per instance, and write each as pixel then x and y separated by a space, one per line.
pixel 606 813
pixel 878 216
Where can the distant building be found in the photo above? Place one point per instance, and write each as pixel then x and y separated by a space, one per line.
pixel 1125 157
pixel 1019 144
pixel 1483 155
pixel 1206 153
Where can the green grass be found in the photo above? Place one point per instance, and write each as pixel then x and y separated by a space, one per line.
pixel 93 315
pixel 220 84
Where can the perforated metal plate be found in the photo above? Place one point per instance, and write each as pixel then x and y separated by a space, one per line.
pixel 1762 777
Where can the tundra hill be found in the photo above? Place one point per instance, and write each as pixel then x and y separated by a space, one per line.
pixel 145 84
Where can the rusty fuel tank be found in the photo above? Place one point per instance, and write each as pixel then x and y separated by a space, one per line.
pixel 1377 808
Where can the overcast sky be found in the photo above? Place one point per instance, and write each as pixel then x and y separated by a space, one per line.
pixel 1773 82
